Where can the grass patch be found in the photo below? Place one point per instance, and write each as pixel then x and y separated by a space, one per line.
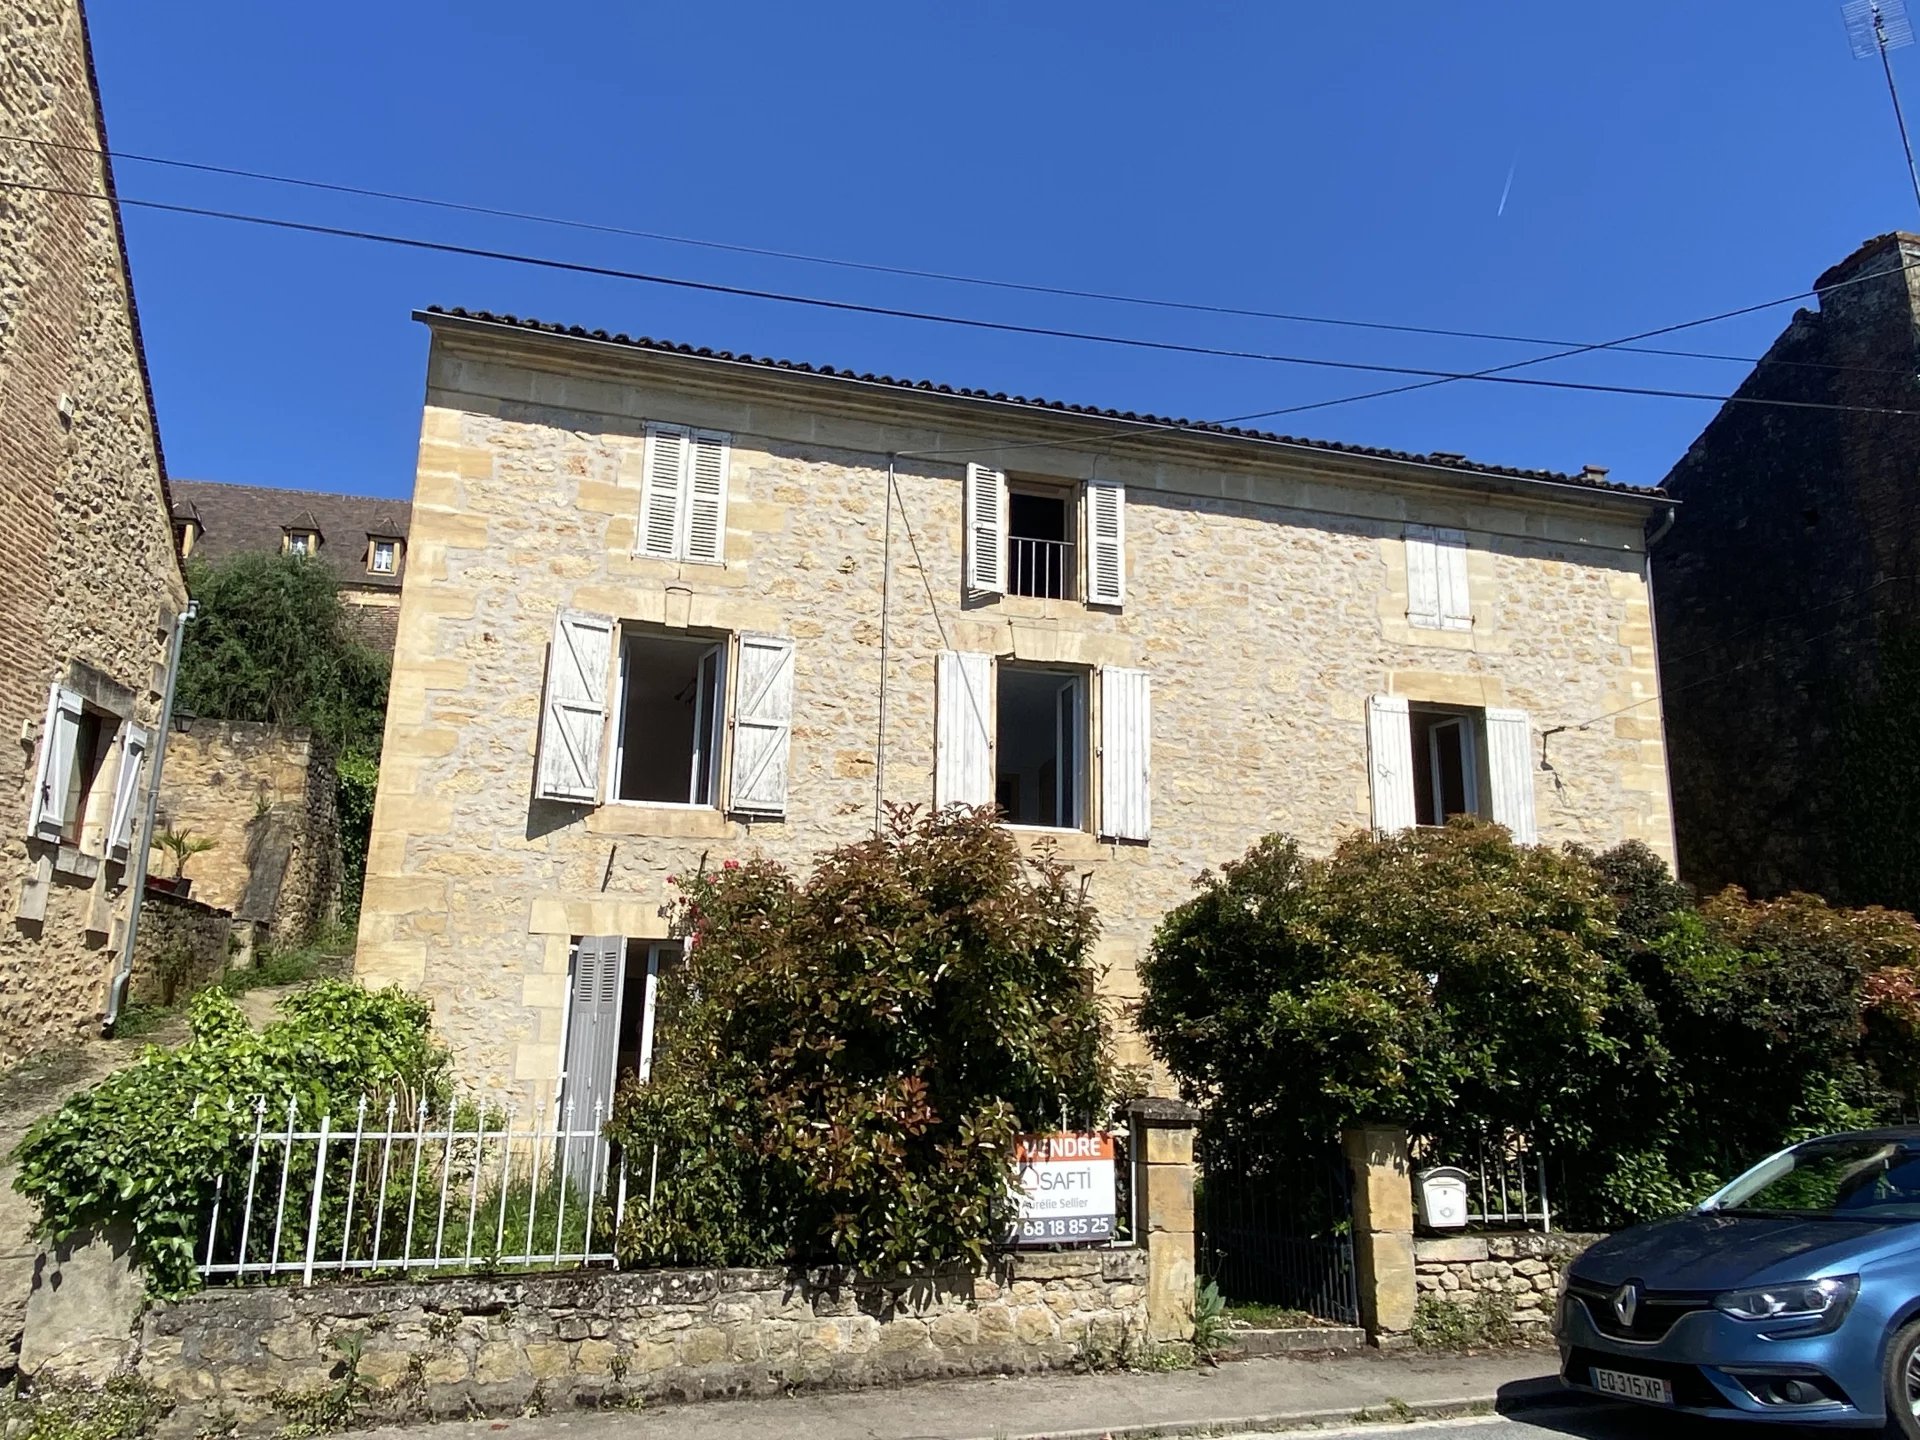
pixel 123 1409
pixel 1479 1323
pixel 138 1018
pixel 1258 1316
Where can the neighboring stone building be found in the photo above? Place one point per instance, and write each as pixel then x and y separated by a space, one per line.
pixel 362 539
pixel 660 613
pixel 1787 594
pixel 90 589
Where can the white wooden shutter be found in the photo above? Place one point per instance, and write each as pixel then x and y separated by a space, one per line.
pixel 593 1050
pixel 58 737
pixel 706 506
pixel 1423 577
pixel 134 740
pixel 663 490
pixel 1450 566
pixel 985 499
pixel 573 718
pixel 963 749
pixel 1510 772
pixel 762 725
pixel 1126 752
pixel 1390 762
pixel 1106 507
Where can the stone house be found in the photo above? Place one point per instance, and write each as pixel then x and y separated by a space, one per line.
pixel 1788 593
pixel 90 589
pixel 669 606
pixel 361 538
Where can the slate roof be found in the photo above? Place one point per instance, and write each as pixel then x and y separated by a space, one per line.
pixel 242 519
pixel 1593 478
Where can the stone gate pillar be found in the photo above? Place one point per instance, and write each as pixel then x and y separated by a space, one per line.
pixel 1382 1230
pixel 1162 1154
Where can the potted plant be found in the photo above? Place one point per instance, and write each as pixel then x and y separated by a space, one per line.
pixel 182 845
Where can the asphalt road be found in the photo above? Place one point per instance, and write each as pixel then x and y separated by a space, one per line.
pixel 1597 1421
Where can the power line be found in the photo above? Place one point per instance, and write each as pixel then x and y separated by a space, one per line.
pixel 907 271
pixel 1495 375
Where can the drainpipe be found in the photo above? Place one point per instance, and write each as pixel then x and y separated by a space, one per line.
pixel 1653 628
pixel 142 845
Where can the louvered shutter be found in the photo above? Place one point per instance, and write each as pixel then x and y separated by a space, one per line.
pixel 762 725
pixel 963 748
pixel 1423 578
pixel 1390 762
pixel 707 499
pixel 1106 506
pixel 986 505
pixel 58 738
pixel 573 717
pixel 1450 566
pixel 1126 752
pixel 1510 772
pixel 593 1049
pixel 134 740
pixel 663 490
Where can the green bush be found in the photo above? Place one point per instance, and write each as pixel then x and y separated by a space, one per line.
pixel 843 1063
pixel 1457 983
pixel 145 1148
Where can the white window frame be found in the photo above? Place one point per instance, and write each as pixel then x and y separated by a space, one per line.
pixel 374 567
pixel 709 730
pixel 1070 713
pixel 1465 730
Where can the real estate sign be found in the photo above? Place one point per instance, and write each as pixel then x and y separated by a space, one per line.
pixel 1065 1184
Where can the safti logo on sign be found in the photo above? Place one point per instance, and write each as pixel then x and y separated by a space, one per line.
pixel 1065 1184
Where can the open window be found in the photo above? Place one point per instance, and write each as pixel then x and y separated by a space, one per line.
pixel 1040 752
pixel 1041 524
pixel 73 751
pixel 1447 764
pixel 1428 763
pixel 613 987
pixel 668 720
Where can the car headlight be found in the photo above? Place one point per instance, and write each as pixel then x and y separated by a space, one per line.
pixel 1825 1300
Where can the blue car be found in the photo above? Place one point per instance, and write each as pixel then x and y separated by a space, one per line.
pixel 1792 1295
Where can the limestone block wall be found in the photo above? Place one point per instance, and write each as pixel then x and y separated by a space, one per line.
pixel 1520 1274
pixel 1266 594
pixel 265 796
pixel 479 1347
pixel 87 568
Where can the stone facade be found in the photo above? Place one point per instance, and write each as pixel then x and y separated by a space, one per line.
pixel 265 795
pixel 1793 563
pixel 1266 594
pixel 89 585
pixel 1518 1274
pixel 463 1348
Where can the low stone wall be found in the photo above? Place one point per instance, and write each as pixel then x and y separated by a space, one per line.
pixel 182 947
pixel 505 1346
pixel 1516 1273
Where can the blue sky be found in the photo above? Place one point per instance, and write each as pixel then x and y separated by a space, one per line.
pixel 1668 161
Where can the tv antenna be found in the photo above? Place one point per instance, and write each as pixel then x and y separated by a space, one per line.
pixel 1875 27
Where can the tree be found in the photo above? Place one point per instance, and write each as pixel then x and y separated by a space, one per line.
pixel 843 1062
pixel 272 642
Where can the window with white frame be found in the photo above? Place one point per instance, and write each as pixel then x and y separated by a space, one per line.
pixel 1018 737
pixel 660 707
pixel 1047 539
pixel 1437 594
pixel 73 801
pixel 1430 762
pixel 301 542
pixel 383 556
pixel 683 494
pixel 609 1024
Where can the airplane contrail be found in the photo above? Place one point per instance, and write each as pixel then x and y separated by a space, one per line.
pixel 1507 189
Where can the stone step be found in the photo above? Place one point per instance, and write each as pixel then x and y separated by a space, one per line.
pixel 1293 1340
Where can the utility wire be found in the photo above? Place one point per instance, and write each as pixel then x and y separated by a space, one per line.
pixel 1495 375
pixel 942 276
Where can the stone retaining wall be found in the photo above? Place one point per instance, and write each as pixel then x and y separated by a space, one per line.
pixel 506 1346
pixel 182 947
pixel 1523 1271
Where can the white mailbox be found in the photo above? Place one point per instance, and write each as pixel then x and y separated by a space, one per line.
pixel 1442 1193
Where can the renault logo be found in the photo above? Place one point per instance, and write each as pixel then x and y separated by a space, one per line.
pixel 1626 1302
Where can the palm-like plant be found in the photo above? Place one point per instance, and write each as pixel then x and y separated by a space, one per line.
pixel 182 845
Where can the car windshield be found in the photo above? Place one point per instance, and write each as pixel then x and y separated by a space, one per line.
pixel 1846 1178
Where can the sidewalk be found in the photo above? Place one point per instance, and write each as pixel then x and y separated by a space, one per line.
pixel 1238 1396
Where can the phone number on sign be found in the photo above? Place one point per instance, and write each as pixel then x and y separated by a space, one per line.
pixel 1077 1227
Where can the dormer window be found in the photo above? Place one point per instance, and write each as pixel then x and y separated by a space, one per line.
pixel 383 556
pixel 301 542
pixel 185 533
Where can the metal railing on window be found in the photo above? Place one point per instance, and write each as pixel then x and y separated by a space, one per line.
pixel 393 1189
pixel 1041 568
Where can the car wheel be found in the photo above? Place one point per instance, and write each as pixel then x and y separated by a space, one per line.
pixel 1900 1379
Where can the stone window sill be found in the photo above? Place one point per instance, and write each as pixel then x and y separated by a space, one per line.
pixel 71 861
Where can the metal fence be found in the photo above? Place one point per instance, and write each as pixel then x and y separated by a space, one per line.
pixel 403 1189
pixel 1040 567
pixel 1278 1229
pixel 1506 1176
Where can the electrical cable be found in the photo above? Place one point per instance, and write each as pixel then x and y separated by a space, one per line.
pixel 1494 375
pixel 910 272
